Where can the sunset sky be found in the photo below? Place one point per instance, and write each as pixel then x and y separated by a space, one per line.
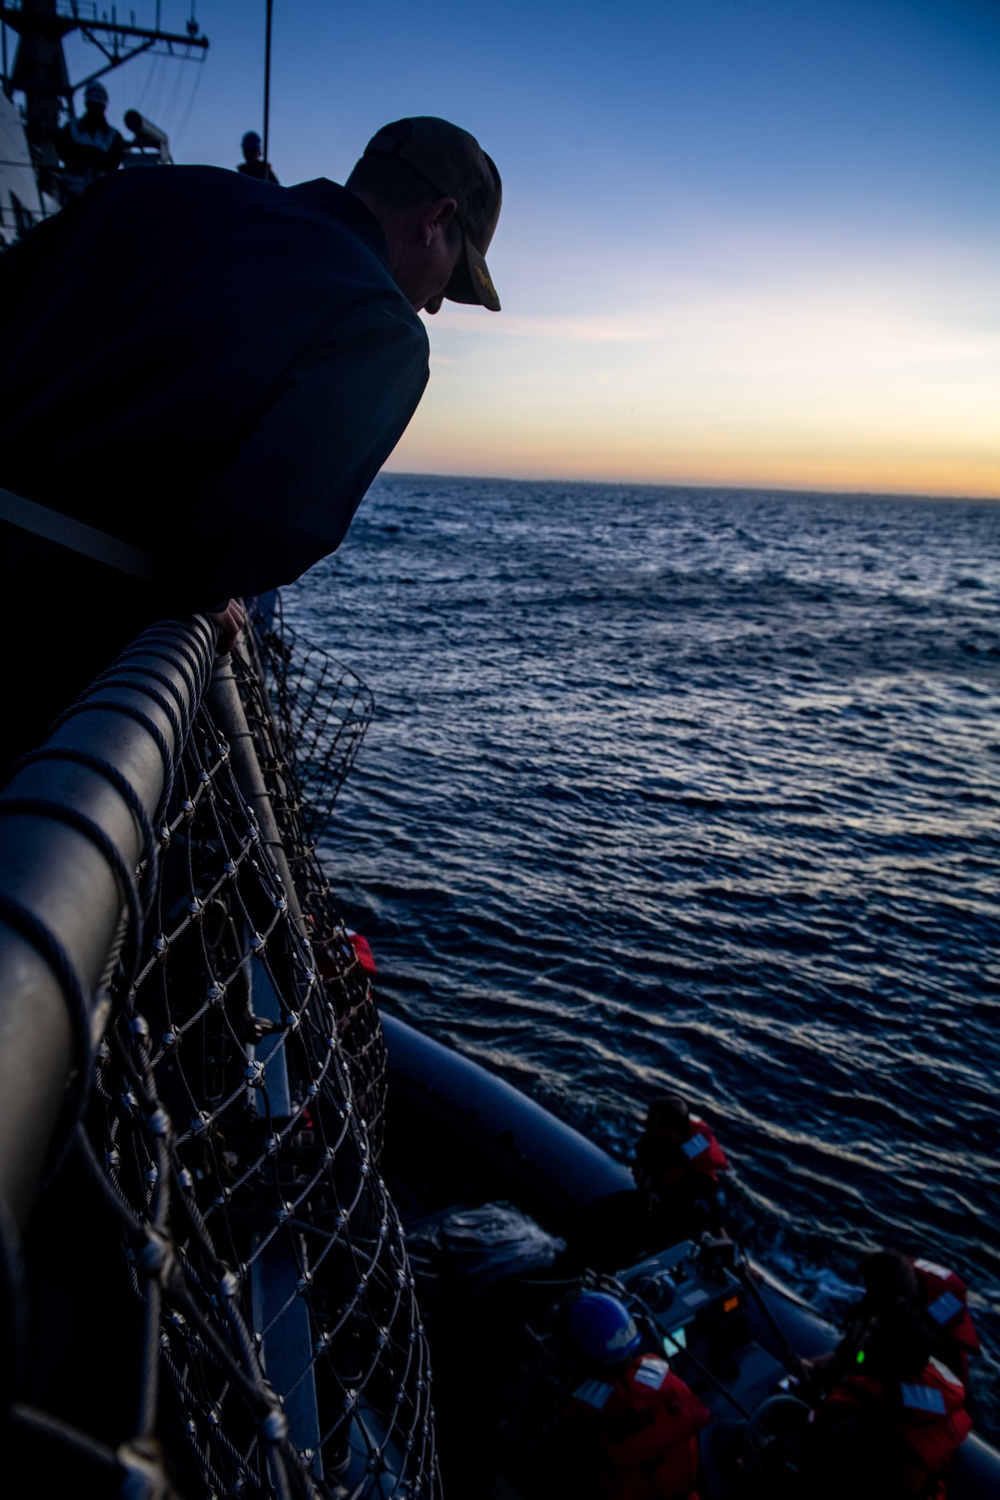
pixel 747 242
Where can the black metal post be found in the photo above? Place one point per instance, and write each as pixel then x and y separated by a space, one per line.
pixel 267 82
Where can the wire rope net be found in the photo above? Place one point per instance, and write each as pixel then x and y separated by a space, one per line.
pixel 316 706
pixel 308 715
pixel 219 1293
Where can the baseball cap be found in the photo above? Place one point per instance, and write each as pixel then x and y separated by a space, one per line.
pixel 95 93
pixel 453 163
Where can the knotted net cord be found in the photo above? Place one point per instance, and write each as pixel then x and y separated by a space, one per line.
pixel 308 715
pixel 259 1308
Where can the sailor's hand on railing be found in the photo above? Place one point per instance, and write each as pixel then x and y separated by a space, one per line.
pixel 230 622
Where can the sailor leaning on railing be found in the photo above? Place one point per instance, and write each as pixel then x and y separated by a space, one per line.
pixel 201 374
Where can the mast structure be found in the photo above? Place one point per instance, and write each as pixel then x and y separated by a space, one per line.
pixel 40 71
pixel 267 81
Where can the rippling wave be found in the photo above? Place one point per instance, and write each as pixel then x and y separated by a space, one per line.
pixel 698 789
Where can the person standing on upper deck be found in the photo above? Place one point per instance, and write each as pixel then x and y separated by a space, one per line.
pixel 253 163
pixel 89 147
pixel 222 402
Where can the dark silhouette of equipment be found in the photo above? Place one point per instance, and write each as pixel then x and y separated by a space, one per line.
pixel 149 145
pixel 40 71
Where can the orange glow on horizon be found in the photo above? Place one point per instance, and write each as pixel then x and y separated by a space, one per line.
pixel 870 382
pixel 864 466
pixel 843 477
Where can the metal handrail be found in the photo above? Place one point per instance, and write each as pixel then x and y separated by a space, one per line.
pixel 75 825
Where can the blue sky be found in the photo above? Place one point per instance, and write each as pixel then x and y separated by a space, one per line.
pixel 743 241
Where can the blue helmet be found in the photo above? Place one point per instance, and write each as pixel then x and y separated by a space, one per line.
pixel 603 1328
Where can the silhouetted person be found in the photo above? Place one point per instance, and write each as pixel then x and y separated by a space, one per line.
pixel 220 401
pixel 677 1196
pixel 677 1165
pixel 253 164
pixel 888 1427
pixel 936 1298
pixel 638 1422
pixel 88 146
pixel 937 1295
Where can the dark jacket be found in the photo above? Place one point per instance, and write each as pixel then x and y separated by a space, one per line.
pixel 209 367
pixel 88 147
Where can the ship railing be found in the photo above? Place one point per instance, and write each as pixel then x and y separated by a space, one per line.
pixel 191 1094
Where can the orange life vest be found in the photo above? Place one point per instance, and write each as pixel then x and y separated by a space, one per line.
pixel 645 1424
pixel 928 1413
pixel 698 1155
pixel 944 1301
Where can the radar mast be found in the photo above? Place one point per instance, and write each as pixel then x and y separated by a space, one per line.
pixel 40 71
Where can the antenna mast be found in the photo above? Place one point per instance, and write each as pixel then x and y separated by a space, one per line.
pixel 40 66
pixel 267 81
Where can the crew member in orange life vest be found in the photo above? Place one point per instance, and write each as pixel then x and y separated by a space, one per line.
pixel 677 1162
pixel 641 1422
pixel 888 1428
pixel 89 147
pixel 937 1295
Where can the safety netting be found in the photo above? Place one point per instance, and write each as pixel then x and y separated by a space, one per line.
pixel 317 707
pixel 308 714
pixel 220 1298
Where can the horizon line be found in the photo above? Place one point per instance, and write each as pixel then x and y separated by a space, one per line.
pixel 679 484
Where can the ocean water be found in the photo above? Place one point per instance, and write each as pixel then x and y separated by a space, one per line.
pixel 701 790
